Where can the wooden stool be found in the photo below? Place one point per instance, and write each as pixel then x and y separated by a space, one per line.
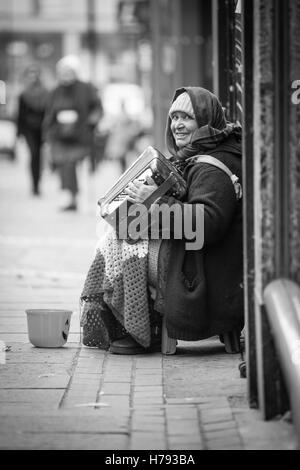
pixel 231 341
pixel 168 345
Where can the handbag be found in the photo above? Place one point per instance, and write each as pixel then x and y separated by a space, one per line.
pixel 67 125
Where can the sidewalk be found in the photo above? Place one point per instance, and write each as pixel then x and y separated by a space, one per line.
pixel 80 398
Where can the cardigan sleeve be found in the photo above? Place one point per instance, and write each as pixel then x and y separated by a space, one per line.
pixel 211 187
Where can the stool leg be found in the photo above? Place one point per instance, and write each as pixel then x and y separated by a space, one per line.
pixel 232 341
pixel 168 345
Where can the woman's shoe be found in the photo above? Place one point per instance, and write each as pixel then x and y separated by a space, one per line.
pixel 36 191
pixel 126 345
pixel 70 207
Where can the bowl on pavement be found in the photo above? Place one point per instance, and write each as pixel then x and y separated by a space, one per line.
pixel 48 328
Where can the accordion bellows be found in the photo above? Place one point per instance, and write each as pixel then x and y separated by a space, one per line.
pixel 152 163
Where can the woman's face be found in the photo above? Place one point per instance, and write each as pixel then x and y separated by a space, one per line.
pixel 32 76
pixel 182 128
pixel 66 75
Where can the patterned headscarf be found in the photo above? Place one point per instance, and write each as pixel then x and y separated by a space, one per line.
pixel 212 130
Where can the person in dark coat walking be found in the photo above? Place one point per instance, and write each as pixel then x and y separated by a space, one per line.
pixel 31 110
pixel 199 291
pixel 73 111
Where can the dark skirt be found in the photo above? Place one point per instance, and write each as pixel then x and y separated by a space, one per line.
pixel 65 157
pixel 68 177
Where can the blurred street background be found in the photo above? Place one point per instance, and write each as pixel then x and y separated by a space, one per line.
pixel 135 52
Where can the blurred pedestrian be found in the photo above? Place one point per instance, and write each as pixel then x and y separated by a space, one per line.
pixel 73 111
pixel 122 135
pixel 31 110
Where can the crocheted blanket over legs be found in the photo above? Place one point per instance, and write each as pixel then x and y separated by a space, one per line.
pixel 118 274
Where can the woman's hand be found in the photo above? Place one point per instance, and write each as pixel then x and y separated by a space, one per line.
pixel 138 191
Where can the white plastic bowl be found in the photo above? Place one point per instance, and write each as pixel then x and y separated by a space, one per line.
pixel 48 328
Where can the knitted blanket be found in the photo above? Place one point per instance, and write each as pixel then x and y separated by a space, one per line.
pixel 118 274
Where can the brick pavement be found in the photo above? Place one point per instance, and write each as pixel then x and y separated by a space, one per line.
pixel 81 398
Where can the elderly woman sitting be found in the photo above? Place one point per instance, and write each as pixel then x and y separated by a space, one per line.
pixel 130 287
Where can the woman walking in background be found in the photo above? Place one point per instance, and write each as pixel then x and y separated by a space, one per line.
pixel 73 110
pixel 32 104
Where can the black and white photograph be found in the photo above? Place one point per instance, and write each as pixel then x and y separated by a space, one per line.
pixel 149 228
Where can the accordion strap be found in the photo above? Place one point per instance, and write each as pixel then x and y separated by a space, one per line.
pixel 160 191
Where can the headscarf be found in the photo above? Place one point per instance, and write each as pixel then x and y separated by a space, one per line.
pixel 70 61
pixel 213 129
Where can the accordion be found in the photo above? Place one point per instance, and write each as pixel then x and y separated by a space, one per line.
pixel 150 163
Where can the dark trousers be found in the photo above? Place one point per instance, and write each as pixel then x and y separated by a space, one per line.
pixel 34 141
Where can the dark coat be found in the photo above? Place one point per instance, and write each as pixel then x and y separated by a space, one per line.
pixel 31 110
pixel 81 97
pixel 201 292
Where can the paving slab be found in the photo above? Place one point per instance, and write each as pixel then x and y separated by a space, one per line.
pixel 62 423
pixel 33 396
pixel 63 441
pixel 35 378
pixel 22 353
